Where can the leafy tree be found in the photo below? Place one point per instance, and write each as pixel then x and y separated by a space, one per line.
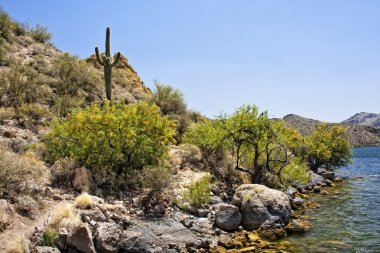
pixel 112 139
pixel 261 147
pixel 327 147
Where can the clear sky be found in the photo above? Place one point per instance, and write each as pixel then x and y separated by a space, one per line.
pixel 318 59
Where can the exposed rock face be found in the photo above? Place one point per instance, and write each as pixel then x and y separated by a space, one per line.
pixel 364 118
pixel 107 238
pixel 80 239
pixel 228 216
pixel 272 229
pixel 83 180
pixel 139 239
pixel 6 213
pixel 40 249
pixel 258 203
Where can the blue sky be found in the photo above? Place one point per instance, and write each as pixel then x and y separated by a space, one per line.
pixel 319 59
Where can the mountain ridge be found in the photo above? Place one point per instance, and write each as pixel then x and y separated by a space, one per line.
pixel 358 135
pixel 363 119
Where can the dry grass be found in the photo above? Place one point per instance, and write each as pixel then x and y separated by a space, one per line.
pixel 19 173
pixel 64 216
pixel 18 244
pixel 83 201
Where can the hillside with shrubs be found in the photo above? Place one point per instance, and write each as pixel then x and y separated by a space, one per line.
pixel 74 164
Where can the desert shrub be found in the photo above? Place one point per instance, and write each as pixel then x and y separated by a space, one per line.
pixel 172 103
pixel 64 216
pixel 198 193
pixel 157 178
pixel 66 104
pixel 7 113
pixel 40 34
pixel 74 75
pixel 20 29
pixel 83 201
pixel 296 172
pixel 48 237
pixel 27 206
pixel 6 26
pixel 18 244
pixel 62 171
pixel 208 136
pixel 19 173
pixel 112 139
pixel 31 115
pixel 3 52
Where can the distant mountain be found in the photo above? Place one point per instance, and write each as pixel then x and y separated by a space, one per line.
pixel 358 135
pixel 364 119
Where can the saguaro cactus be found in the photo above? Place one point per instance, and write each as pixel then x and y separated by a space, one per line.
pixel 106 61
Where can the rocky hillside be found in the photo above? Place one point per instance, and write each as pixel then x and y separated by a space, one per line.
pixel 364 119
pixel 358 135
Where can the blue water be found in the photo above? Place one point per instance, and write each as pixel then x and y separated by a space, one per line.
pixel 348 219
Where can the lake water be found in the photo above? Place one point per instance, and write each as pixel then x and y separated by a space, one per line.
pixel 348 219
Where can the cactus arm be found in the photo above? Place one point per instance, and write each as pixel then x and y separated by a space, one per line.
pixel 116 61
pixel 99 60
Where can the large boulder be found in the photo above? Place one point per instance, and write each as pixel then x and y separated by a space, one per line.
pixel 107 238
pixel 83 180
pixel 228 216
pixel 272 229
pixel 139 239
pixel 80 239
pixel 258 203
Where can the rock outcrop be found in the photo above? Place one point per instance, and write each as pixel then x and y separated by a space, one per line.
pixel 258 203
pixel 228 216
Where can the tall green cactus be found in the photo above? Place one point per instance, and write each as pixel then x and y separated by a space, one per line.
pixel 105 60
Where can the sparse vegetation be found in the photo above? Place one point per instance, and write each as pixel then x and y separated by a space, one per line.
pixel 18 244
pixel 18 173
pixel 49 236
pixel 40 34
pixel 157 178
pixel 83 201
pixel 198 193
pixel 27 206
pixel 64 216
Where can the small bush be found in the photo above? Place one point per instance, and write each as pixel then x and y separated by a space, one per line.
pixel 19 173
pixel 62 171
pixel 31 115
pixel 64 216
pixel 40 34
pixel 7 114
pixel 66 104
pixel 112 139
pixel 18 244
pixel 198 193
pixel 74 75
pixel 157 178
pixel 6 26
pixel 49 236
pixel 296 172
pixel 27 206
pixel 83 201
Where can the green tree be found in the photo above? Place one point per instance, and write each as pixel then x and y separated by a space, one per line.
pixel 327 147
pixel 112 139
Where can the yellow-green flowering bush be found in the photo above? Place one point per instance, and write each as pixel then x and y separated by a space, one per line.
pixel 112 138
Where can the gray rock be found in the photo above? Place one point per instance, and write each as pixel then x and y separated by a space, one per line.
pixel 49 192
pixel 315 180
pixel 228 216
pixel 80 239
pixel 83 180
pixel 43 249
pixel 272 229
pixel 258 203
pixel 203 212
pixel 215 200
pixel 107 238
pixel 61 239
pixel 139 239
pixel 297 203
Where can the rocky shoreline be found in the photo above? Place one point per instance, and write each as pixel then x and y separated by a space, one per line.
pixel 251 221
